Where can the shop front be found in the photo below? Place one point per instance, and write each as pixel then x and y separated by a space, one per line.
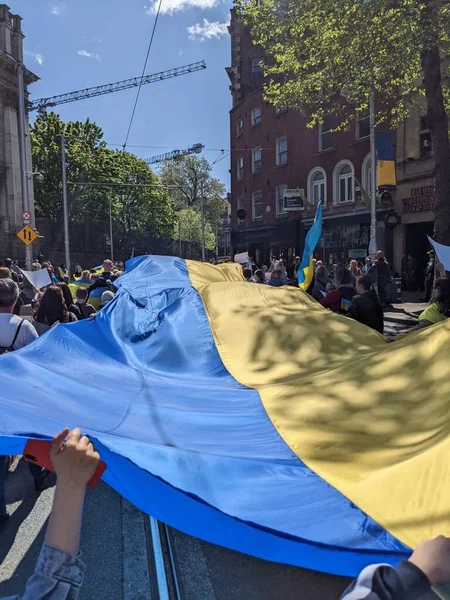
pixel 415 203
pixel 283 240
pixel 348 237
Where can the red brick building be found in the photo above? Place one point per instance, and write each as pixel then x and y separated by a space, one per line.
pixel 274 150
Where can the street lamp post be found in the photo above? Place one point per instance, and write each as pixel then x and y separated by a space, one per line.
pixel 23 161
pixel 202 204
pixel 65 203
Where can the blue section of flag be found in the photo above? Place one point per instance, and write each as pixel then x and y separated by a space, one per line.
pixel 385 146
pixel 183 440
pixel 311 241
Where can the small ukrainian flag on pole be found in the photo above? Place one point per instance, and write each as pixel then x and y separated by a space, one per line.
pixel 305 270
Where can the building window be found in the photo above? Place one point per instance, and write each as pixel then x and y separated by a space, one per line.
pixel 426 146
pixel 257 64
pixel 279 199
pixel 317 186
pixel 344 182
pixel 366 176
pixel 239 127
pixel 256 160
pixel 256 206
pixel 282 151
pixel 256 116
pixel 325 134
pixel 240 204
pixel 240 168
pixel 363 128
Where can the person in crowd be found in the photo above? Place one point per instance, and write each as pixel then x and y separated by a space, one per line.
pixel 354 269
pixel 339 299
pixel 40 257
pixel 297 263
pixel 93 278
pixel 247 274
pixel 275 279
pixel 279 266
pixel 15 332
pixel 83 307
pixel 366 307
pixel 105 279
pixel 439 308
pixel 15 273
pixel 429 276
pixel 258 277
pixel 59 571
pixel 78 270
pixel 107 297
pixel 62 272
pixel 428 566
pixel 370 270
pixel 383 270
pixel 36 266
pixel 85 276
pixel 52 309
pixel 321 283
pixel 51 271
pixel 5 273
pixel 68 299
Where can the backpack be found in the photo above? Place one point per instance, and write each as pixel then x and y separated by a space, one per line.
pixel 10 348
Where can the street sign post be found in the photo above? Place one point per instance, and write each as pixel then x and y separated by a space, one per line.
pixel 293 200
pixel 26 217
pixel 27 235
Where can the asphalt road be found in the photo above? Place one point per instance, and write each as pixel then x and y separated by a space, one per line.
pixel 21 538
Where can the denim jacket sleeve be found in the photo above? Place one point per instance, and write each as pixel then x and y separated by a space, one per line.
pixel 57 576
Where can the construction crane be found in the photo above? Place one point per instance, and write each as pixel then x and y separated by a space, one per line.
pixel 195 149
pixel 43 103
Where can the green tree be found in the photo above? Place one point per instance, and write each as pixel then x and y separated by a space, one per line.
pixel 184 177
pixel 188 224
pixel 145 208
pixel 324 56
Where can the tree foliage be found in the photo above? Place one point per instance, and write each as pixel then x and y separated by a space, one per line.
pixel 188 226
pixel 324 55
pixel 134 208
pixel 184 177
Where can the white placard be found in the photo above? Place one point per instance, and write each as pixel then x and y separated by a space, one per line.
pixel 242 258
pixel 38 279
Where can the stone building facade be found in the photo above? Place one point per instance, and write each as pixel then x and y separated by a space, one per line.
pixel 274 150
pixel 11 57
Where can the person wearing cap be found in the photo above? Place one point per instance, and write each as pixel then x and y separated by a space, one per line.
pixel 429 276
pixel 297 262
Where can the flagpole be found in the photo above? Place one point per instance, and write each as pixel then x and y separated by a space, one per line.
pixel 373 195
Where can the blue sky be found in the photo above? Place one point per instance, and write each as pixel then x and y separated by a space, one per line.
pixel 72 44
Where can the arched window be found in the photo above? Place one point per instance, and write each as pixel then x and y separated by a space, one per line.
pixel 366 175
pixel 344 182
pixel 317 186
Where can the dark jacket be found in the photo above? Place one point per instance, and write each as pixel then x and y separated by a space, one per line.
pixel 381 582
pixel 366 309
pixel 383 269
pixel 320 285
pixel 339 300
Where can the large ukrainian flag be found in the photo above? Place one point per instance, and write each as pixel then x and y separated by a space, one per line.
pixel 248 416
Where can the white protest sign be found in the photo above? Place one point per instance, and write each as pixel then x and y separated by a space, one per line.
pixel 38 279
pixel 442 252
pixel 242 258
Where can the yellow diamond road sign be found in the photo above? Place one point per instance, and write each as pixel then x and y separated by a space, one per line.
pixel 27 235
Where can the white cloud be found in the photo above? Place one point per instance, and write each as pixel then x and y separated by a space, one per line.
pixel 86 54
pixel 37 56
pixel 56 10
pixel 171 6
pixel 208 30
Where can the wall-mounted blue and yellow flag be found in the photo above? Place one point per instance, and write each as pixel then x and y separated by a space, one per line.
pixel 386 176
pixel 305 271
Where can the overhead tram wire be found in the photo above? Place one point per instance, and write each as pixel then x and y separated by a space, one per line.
pixel 143 74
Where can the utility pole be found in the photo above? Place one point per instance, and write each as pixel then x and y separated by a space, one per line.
pixel 202 200
pixel 23 160
pixel 373 195
pixel 179 236
pixel 111 229
pixel 65 204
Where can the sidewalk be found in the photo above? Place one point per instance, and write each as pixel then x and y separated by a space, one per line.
pixel 400 318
